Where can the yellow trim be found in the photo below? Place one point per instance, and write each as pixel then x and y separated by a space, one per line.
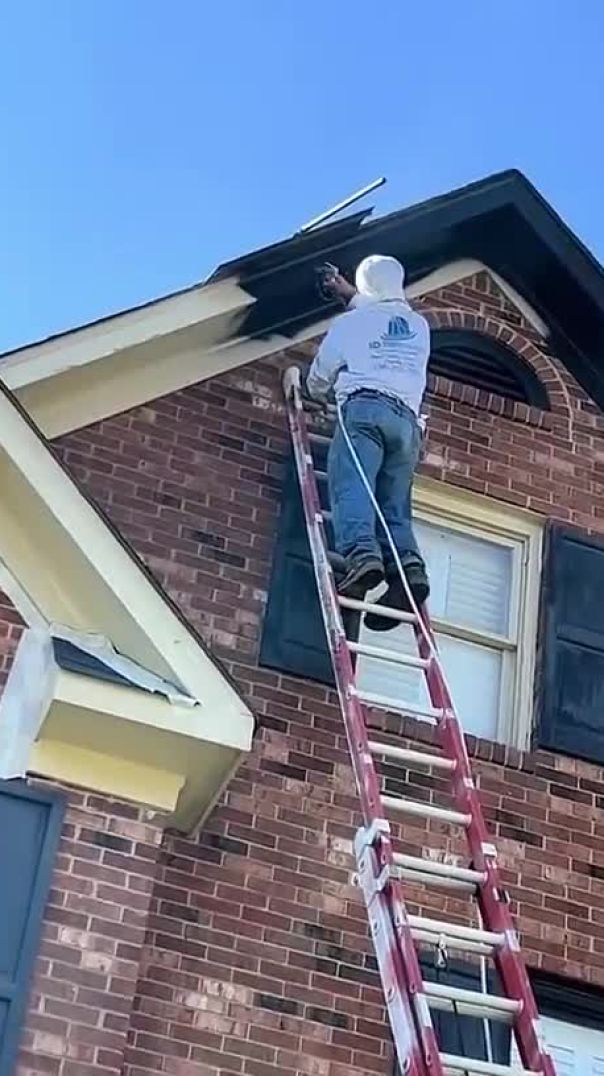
pixel 125 361
pixel 104 773
pixel 162 720
pixel 137 746
pixel 474 508
pixel 88 394
pixel 124 332
pixel 66 566
pixel 76 571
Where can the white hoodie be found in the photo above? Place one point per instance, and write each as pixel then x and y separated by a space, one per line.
pixel 380 344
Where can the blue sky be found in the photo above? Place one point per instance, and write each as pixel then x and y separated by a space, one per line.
pixel 145 141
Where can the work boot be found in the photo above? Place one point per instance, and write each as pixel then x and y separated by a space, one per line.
pixel 363 574
pixel 395 596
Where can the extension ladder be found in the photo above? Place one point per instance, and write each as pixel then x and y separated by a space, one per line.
pixel 380 869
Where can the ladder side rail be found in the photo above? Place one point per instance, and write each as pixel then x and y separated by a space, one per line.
pixel 404 962
pixel 384 896
pixel 490 894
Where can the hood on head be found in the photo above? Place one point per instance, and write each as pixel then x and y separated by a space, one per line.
pixel 380 277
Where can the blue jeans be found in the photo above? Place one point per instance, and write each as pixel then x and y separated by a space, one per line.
pixel 386 438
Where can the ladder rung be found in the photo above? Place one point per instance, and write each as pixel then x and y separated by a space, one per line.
pixel 373 607
pixel 446 871
pixel 426 810
pixel 318 438
pixel 382 702
pixel 415 876
pixel 315 407
pixel 426 937
pixel 439 928
pixel 452 1065
pixel 471 1002
pixel 425 931
pixel 406 754
pixel 397 657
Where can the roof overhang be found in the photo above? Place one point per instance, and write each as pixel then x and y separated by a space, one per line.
pixel 114 739
pixel 265 301
pixel 66 564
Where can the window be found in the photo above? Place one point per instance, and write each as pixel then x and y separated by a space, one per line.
pixel 476 584
pixel 483 575
pixel 476 359
pixel 572 1022
pixel 484 563
pixel 576 1050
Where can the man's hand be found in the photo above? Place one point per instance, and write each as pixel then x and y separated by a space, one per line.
pixel 333 285
pixel 340 286
pixel 292 380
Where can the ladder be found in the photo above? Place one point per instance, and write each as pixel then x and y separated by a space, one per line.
pixel 381 870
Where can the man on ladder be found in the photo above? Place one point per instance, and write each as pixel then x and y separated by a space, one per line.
pixel 375 357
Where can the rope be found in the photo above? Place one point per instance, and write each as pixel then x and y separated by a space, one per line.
pixel 434 656
pixel 397 560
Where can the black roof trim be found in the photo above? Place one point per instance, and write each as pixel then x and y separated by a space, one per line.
pixel 266 259
pixel 501 221
pixel 71 658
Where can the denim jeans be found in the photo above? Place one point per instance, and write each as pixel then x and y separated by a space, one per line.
pixel 386 437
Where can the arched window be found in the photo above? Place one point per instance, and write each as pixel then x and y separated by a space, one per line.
pixel 473 358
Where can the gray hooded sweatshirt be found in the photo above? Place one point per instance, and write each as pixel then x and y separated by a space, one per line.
pixel 380 343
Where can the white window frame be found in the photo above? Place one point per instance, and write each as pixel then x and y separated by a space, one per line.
pixel 522 531
pixel 560 1034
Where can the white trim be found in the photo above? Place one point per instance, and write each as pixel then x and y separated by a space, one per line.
pixel 100 647
pixel 451 273
pixel 25 701
pixel 121 332
pixel 521 304
pixel 522 531
pixel 68 567
pixel 93 643
pixel 25 605
pixel 99 370
pixel 113 738
pixel 460 270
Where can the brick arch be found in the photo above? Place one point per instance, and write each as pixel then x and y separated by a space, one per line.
pixel 547 369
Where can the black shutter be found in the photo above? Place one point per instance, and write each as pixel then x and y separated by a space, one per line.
pixel 30 823
pixel 293 637
pixel 571 703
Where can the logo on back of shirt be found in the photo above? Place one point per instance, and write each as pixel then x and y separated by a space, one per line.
pixel 398 329
pixel 398 332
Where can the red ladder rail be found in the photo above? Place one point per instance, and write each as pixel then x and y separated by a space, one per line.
pixel 380 869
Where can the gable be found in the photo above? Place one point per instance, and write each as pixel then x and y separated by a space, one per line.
pixel 266 301
pixel 73 577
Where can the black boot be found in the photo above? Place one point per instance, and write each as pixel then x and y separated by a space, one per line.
pixel 363 574
pixel 395 597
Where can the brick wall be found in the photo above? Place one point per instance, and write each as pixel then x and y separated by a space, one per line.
pixel 256 957
pixel 87 971
pixel 11 626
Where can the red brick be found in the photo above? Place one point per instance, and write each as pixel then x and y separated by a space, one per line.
pixel 207 928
